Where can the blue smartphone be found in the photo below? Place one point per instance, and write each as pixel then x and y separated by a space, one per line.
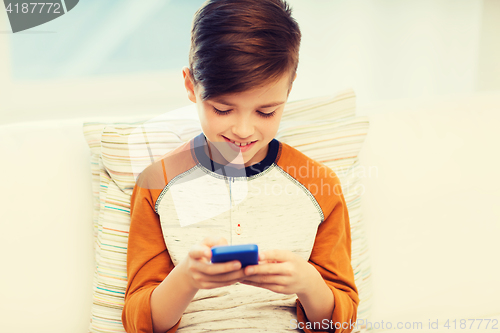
pixel 247 254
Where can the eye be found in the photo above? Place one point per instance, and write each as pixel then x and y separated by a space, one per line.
pixel 266 115
pixel 220 112
pixel 260 113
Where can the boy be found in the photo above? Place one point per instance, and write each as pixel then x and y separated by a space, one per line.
pixel 234 183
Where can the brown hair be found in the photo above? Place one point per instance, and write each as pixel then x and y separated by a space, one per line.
pixel 237 45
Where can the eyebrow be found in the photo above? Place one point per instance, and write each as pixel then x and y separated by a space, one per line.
pixel 221 101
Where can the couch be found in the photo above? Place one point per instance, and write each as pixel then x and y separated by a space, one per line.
pixel 430 201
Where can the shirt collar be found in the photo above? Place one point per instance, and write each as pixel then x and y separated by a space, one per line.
pixel 200 141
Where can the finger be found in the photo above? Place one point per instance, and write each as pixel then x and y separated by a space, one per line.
pixel 214 241
pixel 200 251
pixel 269 268
pixel 227 277
pixel 218 284
pixel 204 249
pixel 269 279
pixel 263 260
pixel 276 255
pixel 269 286
pixel 221 268
pixel 222 241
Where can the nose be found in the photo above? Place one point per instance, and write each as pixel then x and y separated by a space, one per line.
pixel 243 127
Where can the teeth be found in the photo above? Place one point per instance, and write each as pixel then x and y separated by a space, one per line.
pixel 241 144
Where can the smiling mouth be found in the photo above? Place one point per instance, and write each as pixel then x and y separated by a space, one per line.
pixel 240 144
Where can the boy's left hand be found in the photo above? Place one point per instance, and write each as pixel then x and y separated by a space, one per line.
pixel 280 271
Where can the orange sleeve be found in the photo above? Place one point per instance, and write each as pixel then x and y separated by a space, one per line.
pixel 148 261
pixel 331 256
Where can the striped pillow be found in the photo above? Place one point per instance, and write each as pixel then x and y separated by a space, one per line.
pixel 120 151
pixel 338 106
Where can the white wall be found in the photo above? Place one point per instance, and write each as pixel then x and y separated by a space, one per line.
pixel 388 49
pixel 488 76
pixel 384 49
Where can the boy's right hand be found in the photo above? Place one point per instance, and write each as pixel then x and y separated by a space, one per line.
pixel 201 274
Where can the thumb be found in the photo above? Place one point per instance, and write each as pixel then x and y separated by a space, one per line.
pixel 214 241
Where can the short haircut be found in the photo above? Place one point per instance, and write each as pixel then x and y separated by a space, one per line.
pixel 237 45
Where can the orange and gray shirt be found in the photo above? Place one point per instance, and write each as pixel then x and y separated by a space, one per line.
pixel 287 201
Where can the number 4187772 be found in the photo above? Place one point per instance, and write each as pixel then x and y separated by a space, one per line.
pixel 26 8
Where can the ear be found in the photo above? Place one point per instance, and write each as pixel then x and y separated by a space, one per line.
pixel 188 83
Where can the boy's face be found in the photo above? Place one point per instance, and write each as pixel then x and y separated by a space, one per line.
pixel 239 126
